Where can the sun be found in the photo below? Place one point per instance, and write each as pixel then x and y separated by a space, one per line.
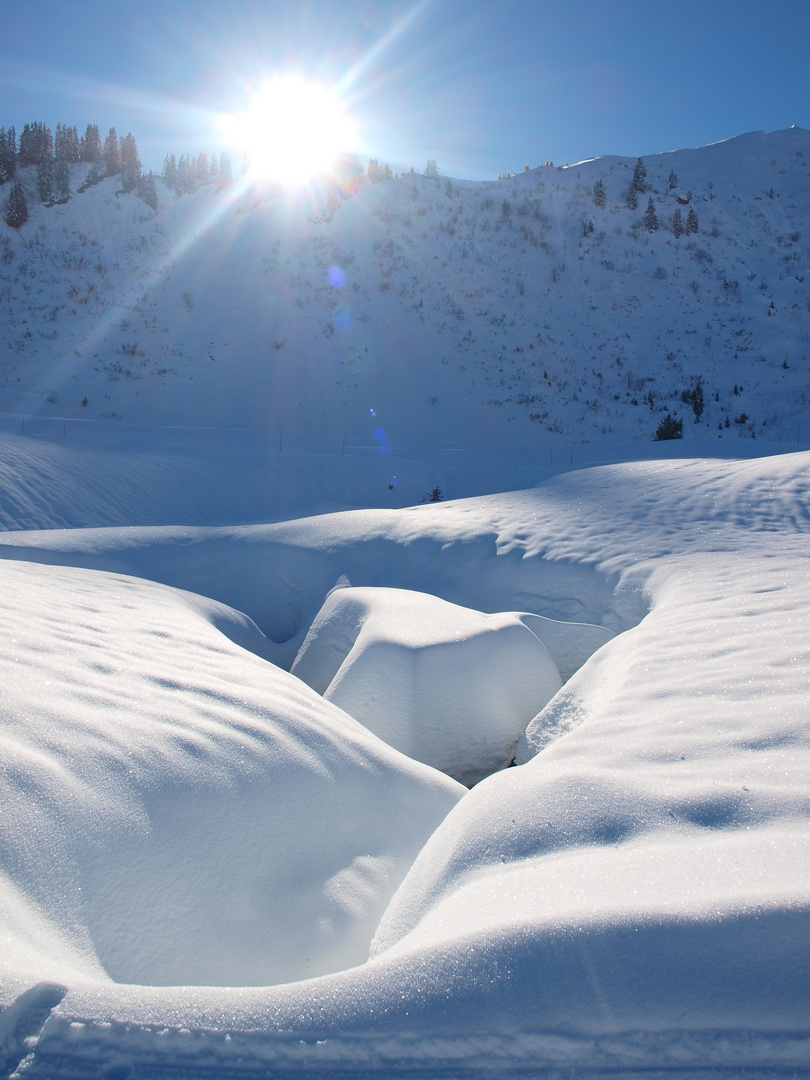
pixel 292 131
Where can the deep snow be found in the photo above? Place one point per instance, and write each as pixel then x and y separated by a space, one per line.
pixel 207 867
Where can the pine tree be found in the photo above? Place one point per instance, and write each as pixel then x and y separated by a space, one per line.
pixel 36 143
pixel 61 177
pixel 671 427
pixel 45 179
pixel 90 149
pixel 17 207
pixel 129 163
pixel 168 173
pixel 599 197
pixel 183 174
pixel 201 168
pixel 8 154
pixel 691 221
pixel 677 224
pixel 639 183
pixel 631 198
pixel 432 170
pixel 673 180
pixel 112 155
pixel 650 217
pixel 148 191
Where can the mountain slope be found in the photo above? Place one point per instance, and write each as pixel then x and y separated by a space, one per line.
pixel 420 312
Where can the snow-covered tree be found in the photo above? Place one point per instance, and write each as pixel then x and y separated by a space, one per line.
pixel 599 196
pixel 147 190
pixel 631 198
pixel 691 221
pixel 639 182
pixel 677 224
pixel 45 178
pixel 16 207
pixel 650 217
pixel 673 180
pixel 431 170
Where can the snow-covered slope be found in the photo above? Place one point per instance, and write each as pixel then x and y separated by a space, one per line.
pixel 207 868
pixel 419 313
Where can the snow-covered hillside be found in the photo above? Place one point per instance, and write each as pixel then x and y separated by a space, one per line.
pixel 242 674
pixel 420 312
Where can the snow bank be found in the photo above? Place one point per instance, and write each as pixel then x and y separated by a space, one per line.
pixel 177 811
pixel 446 685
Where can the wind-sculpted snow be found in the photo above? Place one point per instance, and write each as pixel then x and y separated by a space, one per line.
pixel 177 810
pixel 451 687
pixel 631 899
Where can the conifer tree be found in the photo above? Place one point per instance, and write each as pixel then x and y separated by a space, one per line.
pixel 691 221
pixel 599 197
pixel 168 173
pixel 17 207
pixel 129 163
pixel 677 224
pixel 639 183
pixel 90 149
pixel 112 155
pixel 199 172
pixel 8 154
pixel 45 179
pixel 673 180
pixel 631 198
pixel 36 142
pixel 650 217
pixel 61 177
pixel 147 190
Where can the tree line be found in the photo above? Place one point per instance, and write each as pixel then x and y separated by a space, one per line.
pixel 52 154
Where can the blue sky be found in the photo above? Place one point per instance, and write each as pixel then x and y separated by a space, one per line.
pixel 480 86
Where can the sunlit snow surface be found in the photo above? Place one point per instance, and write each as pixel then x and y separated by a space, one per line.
pixel 188 829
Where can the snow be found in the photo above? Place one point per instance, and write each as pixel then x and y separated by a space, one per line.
pixel 235 677
pixel 448 686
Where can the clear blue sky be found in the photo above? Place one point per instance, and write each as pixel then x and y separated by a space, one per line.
pixel 482 86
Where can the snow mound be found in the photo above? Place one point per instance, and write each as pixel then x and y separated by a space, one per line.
pixel 176 810
pixel 449 686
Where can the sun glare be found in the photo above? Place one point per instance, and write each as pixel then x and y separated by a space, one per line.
pixel 292 132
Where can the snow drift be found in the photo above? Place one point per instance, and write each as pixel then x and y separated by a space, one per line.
pixel 632 896
pixel 448 686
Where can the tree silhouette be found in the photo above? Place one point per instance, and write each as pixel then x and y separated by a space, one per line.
pixel 17 207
